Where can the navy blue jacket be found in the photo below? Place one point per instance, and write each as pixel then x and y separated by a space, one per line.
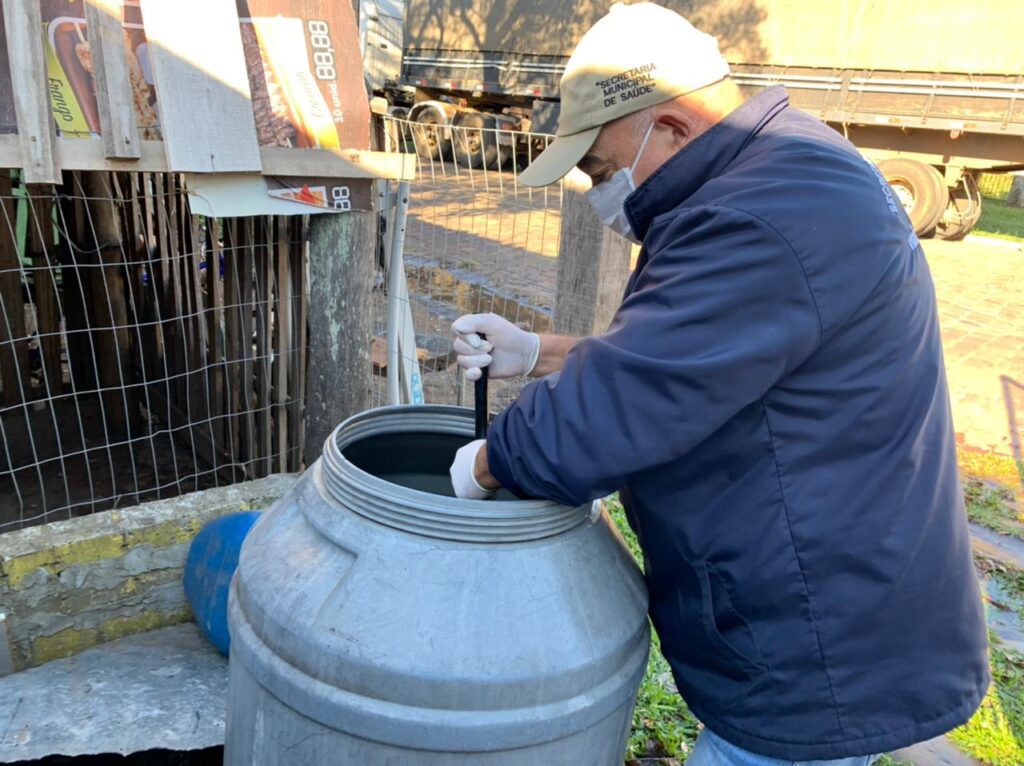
pixel 772 402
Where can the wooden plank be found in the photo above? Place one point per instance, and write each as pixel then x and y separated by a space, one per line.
pixel 232 337
pixel 283 347
pixel 110 309
pixel 161 217
pixel 40 230
pixel 264 342
pixel 76 154
pixel 593 265
pixel 200 409
pixel 338 384
pixel 113 83
pixel 153 297
pixel 300 310
pixel 8 119
pixel 247 429
pixel 195 50
pixel 338 163
pixel 14 369
pixel 179 228
pixel 215 339
pixel 75 292
pixel 24 26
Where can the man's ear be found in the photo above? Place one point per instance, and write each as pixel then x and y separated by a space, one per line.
pixel 679 123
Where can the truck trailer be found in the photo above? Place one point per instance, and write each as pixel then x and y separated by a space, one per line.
pixel 930 90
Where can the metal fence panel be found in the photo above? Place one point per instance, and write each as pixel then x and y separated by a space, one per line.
pixel 144 351
pixel 477 241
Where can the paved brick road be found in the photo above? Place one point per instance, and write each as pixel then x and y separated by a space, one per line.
pixel 981 307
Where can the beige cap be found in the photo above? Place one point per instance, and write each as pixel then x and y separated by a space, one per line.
pixel 637 56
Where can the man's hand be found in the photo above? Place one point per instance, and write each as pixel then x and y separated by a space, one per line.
pixel 471 478
pixel 508 351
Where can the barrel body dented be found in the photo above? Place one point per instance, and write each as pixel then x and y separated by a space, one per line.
pixel 361 635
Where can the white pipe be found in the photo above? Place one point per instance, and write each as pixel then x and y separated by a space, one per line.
pixel 397 292
pixel 394 307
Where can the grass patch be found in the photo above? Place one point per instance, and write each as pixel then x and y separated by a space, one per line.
pixel 1000 220
pixel 888 760
pixel 663 727
pixel 1009 581
pixel 993 506
pixel 993 491
pixel 995 735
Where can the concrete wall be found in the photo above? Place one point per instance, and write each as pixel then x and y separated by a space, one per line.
pixel 73 584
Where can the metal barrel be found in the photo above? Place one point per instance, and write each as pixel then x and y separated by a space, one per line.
pixel 376 619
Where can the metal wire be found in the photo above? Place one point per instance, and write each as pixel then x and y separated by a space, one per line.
pixel 144 352
pixel 477 241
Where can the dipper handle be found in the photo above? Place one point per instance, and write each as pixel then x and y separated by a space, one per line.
pixel 480 401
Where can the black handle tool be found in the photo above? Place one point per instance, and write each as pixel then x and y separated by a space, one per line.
pixel 480 400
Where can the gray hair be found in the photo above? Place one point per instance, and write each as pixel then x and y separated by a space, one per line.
pixel 642 120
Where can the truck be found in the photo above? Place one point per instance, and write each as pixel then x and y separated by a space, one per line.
pixel 380 37
pixel 932 91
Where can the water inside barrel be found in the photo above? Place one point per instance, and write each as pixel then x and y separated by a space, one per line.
pixel 417 460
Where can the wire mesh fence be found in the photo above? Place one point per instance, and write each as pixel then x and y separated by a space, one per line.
pixel 477 241
pixel 144 351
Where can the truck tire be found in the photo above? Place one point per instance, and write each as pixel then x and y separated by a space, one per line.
pixel 963 211
pixel 428 135
pixel 920 189
pixel 474 142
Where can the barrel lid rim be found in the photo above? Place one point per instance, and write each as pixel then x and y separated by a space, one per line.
pixel 516 520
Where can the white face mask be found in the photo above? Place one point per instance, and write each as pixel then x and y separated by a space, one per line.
pixel 608 198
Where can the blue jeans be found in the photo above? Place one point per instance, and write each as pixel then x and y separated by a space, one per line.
pixel 712 750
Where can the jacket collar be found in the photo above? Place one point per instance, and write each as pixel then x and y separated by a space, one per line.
pixel 696 163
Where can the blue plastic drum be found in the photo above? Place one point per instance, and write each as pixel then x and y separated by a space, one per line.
pixel 212 560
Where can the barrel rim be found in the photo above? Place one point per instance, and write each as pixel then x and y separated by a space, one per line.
pixel 423 513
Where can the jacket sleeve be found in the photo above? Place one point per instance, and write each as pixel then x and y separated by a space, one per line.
pixel 721 311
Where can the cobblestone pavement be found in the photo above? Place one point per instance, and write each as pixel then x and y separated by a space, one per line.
pixel 981 310
pixel 478 242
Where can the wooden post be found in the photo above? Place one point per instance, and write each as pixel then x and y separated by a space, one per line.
pixel 215 339
pixel 112 79
pixel 264 343
pixel 44 281
pixel 76 288
pixel 593 265
pixel 341 252
pixel 22 26
pixel 13 346
pixel 282 343
pixel 110 310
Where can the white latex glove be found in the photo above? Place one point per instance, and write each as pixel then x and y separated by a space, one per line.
pixel 463 480
pixel 508 351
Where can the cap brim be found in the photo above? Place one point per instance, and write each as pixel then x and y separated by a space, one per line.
pixel 560 156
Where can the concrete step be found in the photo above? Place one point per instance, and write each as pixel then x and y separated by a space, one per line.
pixel 165 689
pixel 1003 548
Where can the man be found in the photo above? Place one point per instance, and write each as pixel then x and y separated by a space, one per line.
pixel 770 400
